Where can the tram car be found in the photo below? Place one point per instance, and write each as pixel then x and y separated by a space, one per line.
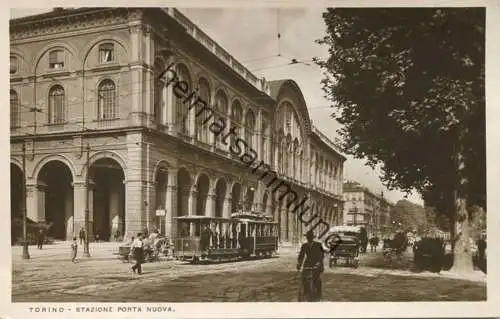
pixel 216 239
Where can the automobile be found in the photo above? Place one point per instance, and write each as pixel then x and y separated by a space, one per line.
pixel 344 244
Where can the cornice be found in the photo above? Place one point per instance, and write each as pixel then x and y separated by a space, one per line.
pixel 67 21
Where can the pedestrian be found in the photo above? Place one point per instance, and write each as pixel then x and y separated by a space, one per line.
pixel 82 235
pixel 137 247
pixel 41 238
pixel 74 249
pixel 311 257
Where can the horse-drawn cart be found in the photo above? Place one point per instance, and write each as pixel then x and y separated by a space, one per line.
pixel 153 248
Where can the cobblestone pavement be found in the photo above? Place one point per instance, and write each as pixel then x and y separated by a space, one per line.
pixel 50 276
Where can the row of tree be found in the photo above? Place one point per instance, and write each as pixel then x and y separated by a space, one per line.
pixel 408 87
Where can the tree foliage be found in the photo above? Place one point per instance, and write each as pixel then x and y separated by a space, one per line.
pixel 408 85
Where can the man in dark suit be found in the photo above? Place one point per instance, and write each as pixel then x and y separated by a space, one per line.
pixel 138 251
pixel 40 238
pixel 311 256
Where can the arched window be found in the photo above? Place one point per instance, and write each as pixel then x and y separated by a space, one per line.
pixel 202 119
pixel 236 119
pixel 265 140
pixel 301 161
pixel 249 128
pixel 289 156
pixel 159 85
pixel 107 108
pixel 14 109
pixel 56 105
pixel 296 159
pixel 221 105
pixel 264 202
pixel 182 108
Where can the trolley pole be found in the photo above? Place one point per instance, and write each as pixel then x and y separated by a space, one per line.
pixel 26 254
pixel 86 251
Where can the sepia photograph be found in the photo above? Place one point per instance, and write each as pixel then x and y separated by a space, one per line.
pixel 254 154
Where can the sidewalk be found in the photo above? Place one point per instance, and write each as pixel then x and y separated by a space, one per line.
pixel 63 249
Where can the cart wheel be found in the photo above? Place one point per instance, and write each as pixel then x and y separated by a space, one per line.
pixel 356 264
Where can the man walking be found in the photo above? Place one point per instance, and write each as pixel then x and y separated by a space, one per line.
pixel 311 258
pixel 137 248
pixel 40 239
pixel 82 235
pixel 74 249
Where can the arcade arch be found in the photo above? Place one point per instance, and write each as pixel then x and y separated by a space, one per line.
pixel 108 199
pixel 55 190
pixel 220 196
pixel 16 201
pixel 202 188
pixel 235 198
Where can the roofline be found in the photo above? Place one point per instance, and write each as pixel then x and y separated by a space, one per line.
pixel 361 188
pixel 329 143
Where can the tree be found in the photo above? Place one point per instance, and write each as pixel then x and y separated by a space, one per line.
pixel 407 85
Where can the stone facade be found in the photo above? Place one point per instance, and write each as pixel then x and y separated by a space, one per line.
pixel 363 207
pixel 88 90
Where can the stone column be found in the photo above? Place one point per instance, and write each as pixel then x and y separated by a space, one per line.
pixel 137 75
pixel 68 200
pixel 135 186
pixel 79 197
pixel 171 204
pixel 226 211
pixel 283 223
pixel 192 209
pixel 169 108
pixel 191 120
pixel 35 201
pixel 210 205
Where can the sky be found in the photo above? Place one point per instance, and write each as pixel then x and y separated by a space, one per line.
pixel 251 36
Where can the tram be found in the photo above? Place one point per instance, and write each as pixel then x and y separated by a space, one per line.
pixel 216 239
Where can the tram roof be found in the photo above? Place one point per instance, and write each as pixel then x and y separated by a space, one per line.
pixel 345 228
pixel 256 221
pixel 203 218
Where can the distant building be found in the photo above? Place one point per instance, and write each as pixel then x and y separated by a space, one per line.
pixel 364 207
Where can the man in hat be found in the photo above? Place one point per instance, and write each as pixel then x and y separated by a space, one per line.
pixel 311 256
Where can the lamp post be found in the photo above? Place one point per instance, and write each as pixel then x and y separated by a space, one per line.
pixel 26 254
pixel 86 250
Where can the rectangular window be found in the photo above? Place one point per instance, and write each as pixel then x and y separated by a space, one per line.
pixel 56 59
pixel 106 52
pixel 13 65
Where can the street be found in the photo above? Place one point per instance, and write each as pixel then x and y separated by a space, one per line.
pixel 50 276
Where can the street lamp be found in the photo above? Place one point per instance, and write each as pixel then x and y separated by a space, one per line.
pixel 26 254
pixel 86 250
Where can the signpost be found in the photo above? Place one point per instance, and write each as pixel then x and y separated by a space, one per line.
pixel 161 213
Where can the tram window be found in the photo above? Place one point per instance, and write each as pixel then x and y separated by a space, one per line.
pixel 243 229
pixel 183 229
pixel 197 229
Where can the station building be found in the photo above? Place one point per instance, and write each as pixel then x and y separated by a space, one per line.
pixel 101 113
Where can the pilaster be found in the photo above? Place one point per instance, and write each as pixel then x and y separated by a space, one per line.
pixel 35 201
pixel 171 204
